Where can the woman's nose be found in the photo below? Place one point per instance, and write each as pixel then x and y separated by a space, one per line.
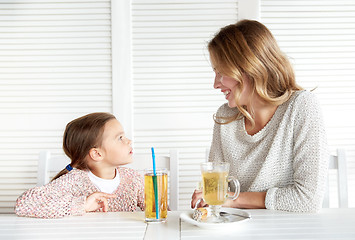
pixel 217 82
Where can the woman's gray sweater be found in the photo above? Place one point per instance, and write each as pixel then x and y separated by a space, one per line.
pixel 288 158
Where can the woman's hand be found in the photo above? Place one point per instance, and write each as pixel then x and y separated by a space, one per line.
pixel 197 199
pixel 97 200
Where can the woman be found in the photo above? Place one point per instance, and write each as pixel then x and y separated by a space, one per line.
pixel 271 130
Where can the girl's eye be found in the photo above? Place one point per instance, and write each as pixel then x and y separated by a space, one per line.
pixel 121 138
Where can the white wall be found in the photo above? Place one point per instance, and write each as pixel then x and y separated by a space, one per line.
pixel 319 37
pixel 55 59
pixel 55 67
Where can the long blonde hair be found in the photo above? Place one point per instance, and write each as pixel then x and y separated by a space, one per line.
pixel 249 48
pixel 80 136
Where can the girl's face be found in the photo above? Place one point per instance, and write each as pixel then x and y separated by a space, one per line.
pixel 116 147
pixel 229 86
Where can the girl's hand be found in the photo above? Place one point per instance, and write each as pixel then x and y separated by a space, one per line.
pixel 97 200
pixel 197 200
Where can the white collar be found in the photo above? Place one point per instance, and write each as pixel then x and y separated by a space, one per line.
pixel 105 185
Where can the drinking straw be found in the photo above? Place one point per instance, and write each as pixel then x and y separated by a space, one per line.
pixel 155 185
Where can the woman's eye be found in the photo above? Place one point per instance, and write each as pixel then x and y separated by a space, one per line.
pixel 120 138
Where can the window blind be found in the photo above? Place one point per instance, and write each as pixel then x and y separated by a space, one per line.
pixel 319 37
pixel 173 95
pixel 55 59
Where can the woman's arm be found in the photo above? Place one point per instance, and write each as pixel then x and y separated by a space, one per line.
pixel 310 161
pixel 252 200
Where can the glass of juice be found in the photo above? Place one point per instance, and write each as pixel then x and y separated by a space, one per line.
pixel 215 181
pixel 151 206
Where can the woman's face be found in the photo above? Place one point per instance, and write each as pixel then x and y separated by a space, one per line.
pixel 229 86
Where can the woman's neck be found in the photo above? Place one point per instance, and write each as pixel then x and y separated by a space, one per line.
pixel 262 113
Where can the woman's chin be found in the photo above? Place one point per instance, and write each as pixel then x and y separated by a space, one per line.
pixel 232 104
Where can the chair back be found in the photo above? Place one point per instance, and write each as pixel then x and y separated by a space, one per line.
pixel 338 162
pixel 48 165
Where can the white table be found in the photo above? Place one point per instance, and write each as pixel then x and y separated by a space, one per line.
pixel 98 226
pixel 265 224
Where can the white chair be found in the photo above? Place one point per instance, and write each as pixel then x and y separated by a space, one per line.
pixel 338 162
pixel 141 162
pixel 48 165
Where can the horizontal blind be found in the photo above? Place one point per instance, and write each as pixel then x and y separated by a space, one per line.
pixel 55 59
pixel 319 37
pixel 173 94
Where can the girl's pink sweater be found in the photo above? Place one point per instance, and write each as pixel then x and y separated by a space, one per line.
pixel 66 195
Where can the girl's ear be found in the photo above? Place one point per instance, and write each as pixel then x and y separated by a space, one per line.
pixel 96 154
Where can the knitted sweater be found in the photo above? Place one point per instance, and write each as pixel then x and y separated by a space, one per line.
pixel 287 159
pixel 67 194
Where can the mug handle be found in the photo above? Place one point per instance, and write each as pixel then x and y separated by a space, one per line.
pixel 237 187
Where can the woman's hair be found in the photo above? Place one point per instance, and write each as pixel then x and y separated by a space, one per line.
pixel 248 49
pixel 80 136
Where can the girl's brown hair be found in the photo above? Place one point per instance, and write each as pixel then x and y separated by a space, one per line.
pixel 80 136
pixel 249 48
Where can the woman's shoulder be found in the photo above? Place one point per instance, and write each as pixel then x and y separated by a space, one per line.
pixel 304 99
pixel 304 104
pixel 303 96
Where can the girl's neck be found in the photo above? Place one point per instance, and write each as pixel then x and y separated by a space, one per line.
pixel 104 173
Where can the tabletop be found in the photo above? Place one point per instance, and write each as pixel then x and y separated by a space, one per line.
pixel 265 224
pixel 269 224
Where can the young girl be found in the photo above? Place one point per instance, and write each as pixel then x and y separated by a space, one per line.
pixel 270 130
pixel 94 180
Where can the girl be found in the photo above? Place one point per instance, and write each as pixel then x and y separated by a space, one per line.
pixel 270 131
pixel 94 180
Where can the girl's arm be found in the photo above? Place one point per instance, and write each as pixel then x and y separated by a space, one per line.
pixel 59 198
pixel 140 192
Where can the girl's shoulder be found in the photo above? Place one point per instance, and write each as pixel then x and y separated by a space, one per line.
pixel 75 175
pixel 128 172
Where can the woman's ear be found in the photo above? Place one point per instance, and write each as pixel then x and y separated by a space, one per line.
pixel 96 154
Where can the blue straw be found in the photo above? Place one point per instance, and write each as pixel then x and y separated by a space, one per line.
pixel 153 156
pixel 155 185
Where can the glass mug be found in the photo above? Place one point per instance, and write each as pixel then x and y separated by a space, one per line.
pixel 215 181
pixel 149 195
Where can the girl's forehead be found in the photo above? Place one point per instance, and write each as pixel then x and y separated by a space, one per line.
pixel 113 126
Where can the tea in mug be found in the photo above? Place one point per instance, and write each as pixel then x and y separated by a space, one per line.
pixel 215 186
pixel 149 200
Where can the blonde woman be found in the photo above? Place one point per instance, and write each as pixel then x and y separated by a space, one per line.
pixel 270 130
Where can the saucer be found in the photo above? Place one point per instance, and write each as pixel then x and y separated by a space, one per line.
pixel 232 220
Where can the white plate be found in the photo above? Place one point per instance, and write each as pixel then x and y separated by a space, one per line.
pixel 233 219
